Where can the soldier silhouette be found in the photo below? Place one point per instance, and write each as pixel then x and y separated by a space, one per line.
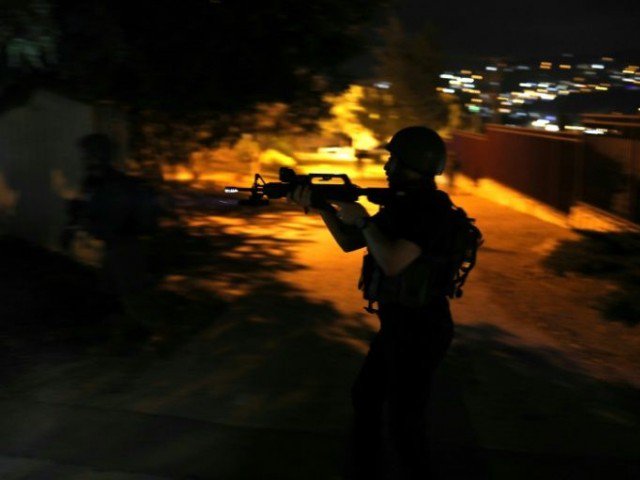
pixel 406 273
pixel 122 211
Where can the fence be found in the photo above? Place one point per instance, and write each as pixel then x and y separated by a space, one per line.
pixel 470 150
pixel 610 175
pixel 557 169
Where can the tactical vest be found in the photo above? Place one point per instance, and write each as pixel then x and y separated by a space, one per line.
pixel 430 275
pixel 415 286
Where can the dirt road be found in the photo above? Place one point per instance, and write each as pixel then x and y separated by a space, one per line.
pixel 537 384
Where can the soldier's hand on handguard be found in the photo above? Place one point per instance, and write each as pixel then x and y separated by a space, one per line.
pixel 350 212
pixel 301 196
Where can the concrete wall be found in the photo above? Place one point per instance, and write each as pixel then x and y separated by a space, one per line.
pixel 40 165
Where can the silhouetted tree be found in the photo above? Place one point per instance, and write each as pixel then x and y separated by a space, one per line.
pixel 410 64
pixel 201 60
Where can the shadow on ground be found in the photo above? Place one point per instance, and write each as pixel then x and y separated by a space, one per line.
pixel 181 389
pixel 263 393
pixel 534 414
pixel 612 256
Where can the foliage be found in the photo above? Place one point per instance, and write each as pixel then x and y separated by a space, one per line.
pixel 28 35
pixel 193 55
pixel 193 65
pixel 410 64
pixel 345 112
pixel 608 255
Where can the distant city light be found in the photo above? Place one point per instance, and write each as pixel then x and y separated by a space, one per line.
pixel 539 86
pixel 539 123
pixel 596 131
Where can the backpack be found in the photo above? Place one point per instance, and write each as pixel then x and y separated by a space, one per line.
pixel 465 240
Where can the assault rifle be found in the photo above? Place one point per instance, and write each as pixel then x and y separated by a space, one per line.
pixel 322 193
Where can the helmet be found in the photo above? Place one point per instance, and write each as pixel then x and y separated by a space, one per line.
pixel 420 149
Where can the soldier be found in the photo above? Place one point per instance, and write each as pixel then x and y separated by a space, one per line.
pixel 405 273
pixel 120 210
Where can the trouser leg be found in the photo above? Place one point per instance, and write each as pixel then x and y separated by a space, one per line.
pixel 415 358
pixel 368 400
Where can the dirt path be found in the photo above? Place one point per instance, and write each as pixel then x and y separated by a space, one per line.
pixel 536 383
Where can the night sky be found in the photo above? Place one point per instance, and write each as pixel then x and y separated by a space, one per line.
pixel 524 29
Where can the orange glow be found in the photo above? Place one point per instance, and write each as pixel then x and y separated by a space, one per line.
pixel 177 173
pixel 367 171
pixel 344 118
